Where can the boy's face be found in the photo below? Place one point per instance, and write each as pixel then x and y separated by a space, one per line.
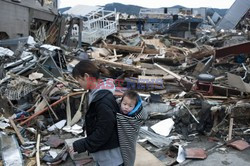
pixel 127 105
pixel 83 81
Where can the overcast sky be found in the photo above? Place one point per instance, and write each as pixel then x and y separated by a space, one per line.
pixel 153 3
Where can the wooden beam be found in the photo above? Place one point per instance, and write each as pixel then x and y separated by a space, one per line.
pixel 204 51
pixel 230 131
pixel 187 85
pixel 118 65
pixel 132 49
pixel 20 137
pixel 38 150
pixel 169 72
pixel 144 157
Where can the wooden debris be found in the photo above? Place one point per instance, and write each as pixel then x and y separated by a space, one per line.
pixel 51 109
pixel 20 137
pixel 230 130
pixel 119 65
pixel 143 157
pixel 155 42
pixel 38 150
pixel 132 49
pixel 47 108
pixel 202 52
pixel 186 84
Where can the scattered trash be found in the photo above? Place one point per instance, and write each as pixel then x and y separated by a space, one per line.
pixel 181 155
pixel 58 125
pixel 54 141
pixel 163 127
pixel 76 129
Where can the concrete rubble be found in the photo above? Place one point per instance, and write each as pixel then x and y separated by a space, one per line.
pixel 194 81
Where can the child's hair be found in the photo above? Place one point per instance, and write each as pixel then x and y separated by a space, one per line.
pixel 131 94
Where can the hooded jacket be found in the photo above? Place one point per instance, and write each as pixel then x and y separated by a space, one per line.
pixel 101 124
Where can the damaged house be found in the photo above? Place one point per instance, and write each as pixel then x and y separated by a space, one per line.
pixel 97 23
pixel 238 10
pixel 21 18
pixel 174 21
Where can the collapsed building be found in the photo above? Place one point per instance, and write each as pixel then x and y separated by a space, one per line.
pixel 21 18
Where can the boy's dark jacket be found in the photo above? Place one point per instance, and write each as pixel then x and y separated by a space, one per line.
pixel 101 124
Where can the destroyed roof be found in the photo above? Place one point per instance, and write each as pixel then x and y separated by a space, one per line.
pixel 234 14
pixel 82 10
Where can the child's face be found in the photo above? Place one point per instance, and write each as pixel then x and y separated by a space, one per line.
pixel 127 105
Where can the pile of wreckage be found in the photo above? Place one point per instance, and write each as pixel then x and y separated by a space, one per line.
pixel 193 89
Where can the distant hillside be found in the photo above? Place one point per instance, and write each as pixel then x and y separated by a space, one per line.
pixel 132 9
pixel 129 9
pixel 178 6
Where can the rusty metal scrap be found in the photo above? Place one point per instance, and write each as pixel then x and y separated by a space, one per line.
pixel 239 144
pixel 242 48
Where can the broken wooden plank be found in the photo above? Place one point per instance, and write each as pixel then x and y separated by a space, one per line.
pixel 216 97
pixel 20 137
pixel 51 109
pixel 119 65
pixel 202 52
pixel 155 72
pixel 155 42
pixel 225 91
pixel 169 72
pixel 185 41
pixel 132 49
pixel 231 122
pixel 185 83
pixel 38 150
pixel 143 157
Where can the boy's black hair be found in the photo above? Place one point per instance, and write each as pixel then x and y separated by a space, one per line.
pixel 131 94
pixel 86 66
pixel 89 67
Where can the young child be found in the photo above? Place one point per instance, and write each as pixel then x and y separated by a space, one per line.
pixel 129 121
pixel 129 102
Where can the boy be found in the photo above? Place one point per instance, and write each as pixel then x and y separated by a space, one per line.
pixel 129 122
pixel 128 103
